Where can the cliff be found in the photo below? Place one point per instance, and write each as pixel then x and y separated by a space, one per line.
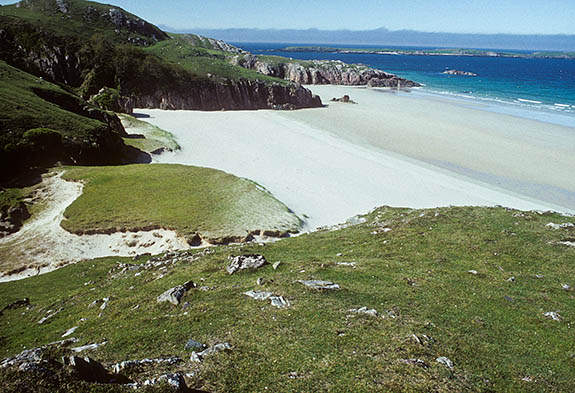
pixel 320 72
pixel 233 95
pixel 89 46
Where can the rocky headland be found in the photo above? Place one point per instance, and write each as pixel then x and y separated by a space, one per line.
pixel 321 72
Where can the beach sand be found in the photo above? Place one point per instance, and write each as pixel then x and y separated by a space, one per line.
pixel 329 164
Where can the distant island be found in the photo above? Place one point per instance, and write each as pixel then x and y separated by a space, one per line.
pixel 433 52
pixel 459 73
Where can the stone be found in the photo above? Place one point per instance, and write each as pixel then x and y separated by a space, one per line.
pixel 319 285
pixel 88 347
pixel 350 264
pixel 119 367
pixel 258 295
pixel 276 265
pixel 474 272
pixel 344 99
pixel 199 356
pixel 553 315
pixel 566 287
pixel 416 362
pixel 511 279
pixel 244 262
pixel 364 310
pixel 176 381
pixel 26 356
pixel 48 317
pixel 193 344
pixel 260 281
pixel 560 226
pixel 445 361
pixel 279 302
pixel 175 294
pixel 69 331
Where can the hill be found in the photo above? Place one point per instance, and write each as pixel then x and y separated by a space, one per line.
pixel 456 299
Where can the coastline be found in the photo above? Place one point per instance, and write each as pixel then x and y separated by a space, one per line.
pixel 329 164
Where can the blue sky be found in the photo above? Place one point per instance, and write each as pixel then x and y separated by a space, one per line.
pixel 458 16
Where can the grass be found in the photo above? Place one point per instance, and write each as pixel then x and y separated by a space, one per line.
pixel 492 329
pixel 183 198
pixel 206 63
pixel 84 19
pixel 155 138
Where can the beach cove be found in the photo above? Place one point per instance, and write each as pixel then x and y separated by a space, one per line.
pixel 329 164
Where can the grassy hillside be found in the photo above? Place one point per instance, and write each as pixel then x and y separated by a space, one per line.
pixel 155 139
pixel 197 55
pixel 412 266
pixel 187 199
pixel 42 123
pixel 81 19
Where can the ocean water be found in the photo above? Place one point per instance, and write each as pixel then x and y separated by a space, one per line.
pixel 540 89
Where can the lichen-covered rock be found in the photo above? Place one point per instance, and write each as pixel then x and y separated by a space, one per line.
pixel 175 294
pixel 245 262
pixel 319 285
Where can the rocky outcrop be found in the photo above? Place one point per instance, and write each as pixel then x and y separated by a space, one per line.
pixel 322 72
pixel 459 73
pixel 12 218
pixel 233 95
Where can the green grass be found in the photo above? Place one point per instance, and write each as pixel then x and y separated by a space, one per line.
pixel 181 51
pixel 10 197
pixel 183 198
pixel 492 329
pixel 84 19
pixel 155 138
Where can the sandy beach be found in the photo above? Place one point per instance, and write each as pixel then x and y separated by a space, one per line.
pixel 329 164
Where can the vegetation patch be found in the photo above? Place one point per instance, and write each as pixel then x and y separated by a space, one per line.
pixel 472 285
pixel 206 63
pixel 152 139
pixel 187 199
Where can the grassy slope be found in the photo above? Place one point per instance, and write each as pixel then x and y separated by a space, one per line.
pixel 155 137
pixel 22 109
pixel 45 13
pixel 181 50
pixel 493 341
pixel 186 199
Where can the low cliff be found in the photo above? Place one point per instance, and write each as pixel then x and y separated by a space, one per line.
pixel 320 72
pixel 233 95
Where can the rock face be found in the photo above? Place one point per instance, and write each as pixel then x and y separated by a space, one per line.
pixel 233 95
pixel 323 72
pixel 246 262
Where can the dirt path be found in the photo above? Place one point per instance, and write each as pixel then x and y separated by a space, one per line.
pixel 42 245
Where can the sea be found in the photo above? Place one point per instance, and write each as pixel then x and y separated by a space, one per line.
pixel 536 88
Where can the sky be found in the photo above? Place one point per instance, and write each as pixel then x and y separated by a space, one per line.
pixel 454 16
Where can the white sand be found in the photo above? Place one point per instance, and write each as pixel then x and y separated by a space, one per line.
pixel 329 164
pixel 44 245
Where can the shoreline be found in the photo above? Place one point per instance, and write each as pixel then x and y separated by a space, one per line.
pixel 329 164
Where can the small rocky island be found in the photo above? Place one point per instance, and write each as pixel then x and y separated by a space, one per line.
pixel 345 99
pixel 459 73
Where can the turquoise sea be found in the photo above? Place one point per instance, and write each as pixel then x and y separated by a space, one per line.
pixel 541 89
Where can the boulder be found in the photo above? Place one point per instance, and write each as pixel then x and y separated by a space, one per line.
pixel 245 262
pixel 175 294
pixel 199 356
pixel 319 285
